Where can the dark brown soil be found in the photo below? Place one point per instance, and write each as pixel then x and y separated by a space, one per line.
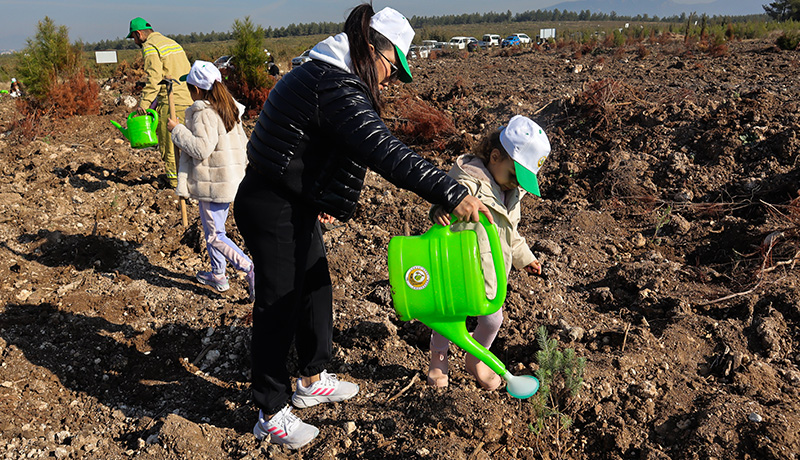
pixel 666 229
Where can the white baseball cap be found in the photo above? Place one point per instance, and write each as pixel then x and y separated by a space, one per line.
pixel 398 30
pixel 528 146
pixel 203 74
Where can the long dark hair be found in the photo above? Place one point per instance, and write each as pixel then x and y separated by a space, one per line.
pixel 221 100
pixel 360 35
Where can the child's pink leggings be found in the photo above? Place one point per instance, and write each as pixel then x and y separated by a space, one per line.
pixel 484 333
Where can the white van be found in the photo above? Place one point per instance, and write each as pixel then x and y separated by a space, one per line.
pixel 492 39
pixel 459 43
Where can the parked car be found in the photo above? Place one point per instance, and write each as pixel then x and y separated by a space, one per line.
pixel 492 39
pixel 419 52
pixel 459 43
pixel 511 40
pixel 300 60
pixel 224 62
pixel 523 38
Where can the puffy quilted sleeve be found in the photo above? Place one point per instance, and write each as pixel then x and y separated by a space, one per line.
pixel 345 109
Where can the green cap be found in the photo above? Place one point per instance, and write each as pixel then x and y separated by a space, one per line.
pixel 138 24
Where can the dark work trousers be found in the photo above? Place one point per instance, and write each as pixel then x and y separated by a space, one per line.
pixel 294 297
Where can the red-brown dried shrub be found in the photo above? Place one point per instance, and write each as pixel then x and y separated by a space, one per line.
pixel 597 100
pixel 31 125
pixel 252 98
pixel 422 122
pixel 75 95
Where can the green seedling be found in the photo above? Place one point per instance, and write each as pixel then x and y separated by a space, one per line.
pixel 662 220
pixel 560 377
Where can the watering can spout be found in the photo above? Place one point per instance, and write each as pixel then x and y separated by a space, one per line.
pixel 456 332
pixel 124 131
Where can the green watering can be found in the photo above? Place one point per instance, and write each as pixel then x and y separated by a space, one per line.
pixel 437 279
pixel 141 129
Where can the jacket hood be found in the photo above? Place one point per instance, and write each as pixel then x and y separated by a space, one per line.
pixel 333 50
pixel 202 104
pixel 472 166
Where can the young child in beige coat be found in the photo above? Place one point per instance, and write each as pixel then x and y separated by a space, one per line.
pixel 213 158
pixel 502 168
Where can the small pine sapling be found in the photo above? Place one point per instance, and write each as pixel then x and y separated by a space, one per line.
pixel 560 377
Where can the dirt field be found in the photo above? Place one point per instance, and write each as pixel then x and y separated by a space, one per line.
pixel 666 230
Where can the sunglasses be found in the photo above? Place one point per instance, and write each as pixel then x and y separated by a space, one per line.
pixel 393 73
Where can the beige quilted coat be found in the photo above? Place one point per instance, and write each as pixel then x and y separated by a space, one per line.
pixel 505 207
pixel 212 160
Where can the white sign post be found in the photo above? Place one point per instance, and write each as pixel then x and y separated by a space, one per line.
pixel 105 57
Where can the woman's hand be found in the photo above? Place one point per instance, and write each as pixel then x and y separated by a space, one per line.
pixel 534 268
pixel 325 218
pixel 468 209
pixel 172 123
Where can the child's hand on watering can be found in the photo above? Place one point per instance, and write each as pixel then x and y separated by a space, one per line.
pixel 172 123
pixel 325 218
pixel 534 268
pixel 441 217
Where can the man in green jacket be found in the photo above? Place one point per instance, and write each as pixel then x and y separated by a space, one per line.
pixel 163 57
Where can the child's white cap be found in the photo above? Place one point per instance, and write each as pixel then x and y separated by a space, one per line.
pixel 394 26
pixel 13 80
pixel 203 74
pixel 528 146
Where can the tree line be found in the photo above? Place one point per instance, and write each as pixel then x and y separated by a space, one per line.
pixel 779 10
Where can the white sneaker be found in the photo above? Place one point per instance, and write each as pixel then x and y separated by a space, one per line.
pixel 285 428
pixel 327 389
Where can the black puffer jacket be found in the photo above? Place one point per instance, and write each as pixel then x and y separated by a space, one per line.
pixel 317 134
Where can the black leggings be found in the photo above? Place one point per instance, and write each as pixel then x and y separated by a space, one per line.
pixel 294 297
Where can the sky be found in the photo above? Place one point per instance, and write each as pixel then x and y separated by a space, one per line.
pixel 95 20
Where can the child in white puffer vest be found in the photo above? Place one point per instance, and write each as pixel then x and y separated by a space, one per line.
pixel 213 158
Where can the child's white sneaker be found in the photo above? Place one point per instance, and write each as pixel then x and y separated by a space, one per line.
pixel 285 428
pixel 327 389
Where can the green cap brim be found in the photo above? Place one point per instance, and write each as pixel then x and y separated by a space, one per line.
pixel 527 179
pixel 183 78
pixel 403 73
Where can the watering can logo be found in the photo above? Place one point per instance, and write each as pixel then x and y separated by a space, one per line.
pixel 417 278
pixel 437 279
pixel 141 130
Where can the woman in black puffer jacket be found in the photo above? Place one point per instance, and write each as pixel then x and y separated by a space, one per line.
pixel 317 134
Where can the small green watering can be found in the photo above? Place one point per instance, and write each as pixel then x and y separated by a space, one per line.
pixel 141 129
pixel 437 279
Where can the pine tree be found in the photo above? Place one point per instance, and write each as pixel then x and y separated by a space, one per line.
pixel 783 10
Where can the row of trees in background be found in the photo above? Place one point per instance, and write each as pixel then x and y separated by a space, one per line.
pixel 54 72
pixel 332 28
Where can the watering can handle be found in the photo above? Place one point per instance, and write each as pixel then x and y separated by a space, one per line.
pixel 149 112
pixel 497 260
pixel 155 116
